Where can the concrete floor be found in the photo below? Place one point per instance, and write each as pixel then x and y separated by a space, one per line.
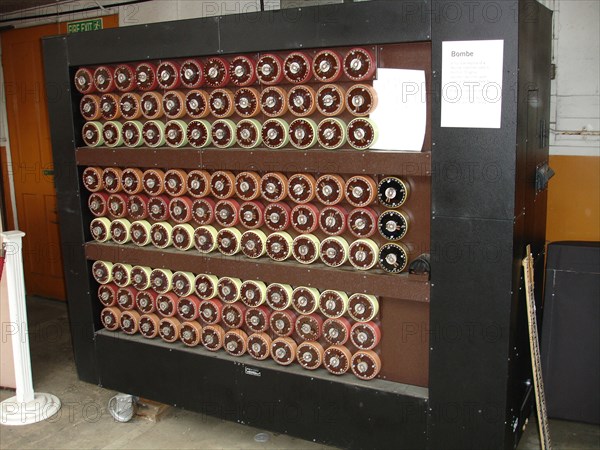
pixel 84 422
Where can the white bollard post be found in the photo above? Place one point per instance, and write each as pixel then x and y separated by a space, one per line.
pixel 27 406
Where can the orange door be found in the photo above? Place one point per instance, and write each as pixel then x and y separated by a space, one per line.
pixel 31 154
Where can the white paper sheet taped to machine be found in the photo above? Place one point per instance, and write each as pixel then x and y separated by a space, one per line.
pixel 401 113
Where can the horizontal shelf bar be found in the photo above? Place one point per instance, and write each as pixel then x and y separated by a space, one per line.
pixel 288 160
pixel 294 369
pixel 374 282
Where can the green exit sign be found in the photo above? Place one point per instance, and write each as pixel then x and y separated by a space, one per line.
pixel 84 25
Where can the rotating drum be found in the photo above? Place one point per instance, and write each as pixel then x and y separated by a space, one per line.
pixel 259 346
pixel 176 182
pixel 129 322
pixel 247 102
pixel 117 205
pixel 273 186
pixel 180 209
pixel 131 180
pixel 132 133
pixel 152 105
pixel 242 71
pixel 131 106
pixel 111 180
pixel 161 280
pixel 363 307
pixel 140 278
pixel 198 183
pixel 112 133
pixel 362 222
pixel 126 298
pixel 205 286
pixel 110 318
pixel 227 212
pixel 191 333
pixel 174 104
pixel 145 77
pixel 161 234
pixel 229 241
pixel 221 103
pixel 235 342
pixel 257 319
pixel 158 208
pixel 337 359
pixel 153 181
pixel 362 133
pixel 124 76
pixel 191 74
pixel 305 218
pixel 279 296
pixel 212 337
pixel 359 64
pixel 98 204
pixel 153 133
pixel 393 225
pixel 254 243
pixel 211 311
pixel 176 133
pixel 393 257
pixel 333 220
pixel 331 133
pixel 84 81
pixel 361 100
pixel 216 72
pixel 149 325
pixel 327 66
pixel 361 191
pixel 310 355
pixel 140 232
pixel 234 315
pixel 203 211
pixel 100 229
pixel 334 251
pixel 363 254
pixel 269 69
pixel 305 300
pixel 167 75
pixel 248 133
pixel 279 246
pixel 107 294
pixel 282 323
pixel 229 289
pixel 166 304
pixel 183 236
pixel 283 350
pixel 188 307
pixel 337 331
pixel 196 104
pixel 273 101
pixel 333 304
pixel 297 68
pixel 199 133
pixel 309 327
pixel 302 101
pixel 102 271
pixel 120 230
pixel 247 185
pixel 91 133
pixel 169 329
pixel 222 184
pixel 302 188
pixel 275 133
pixel 393 192
pixel 303 133
pixel 183 283
pixel 104 80
pixel 366 364
pixel 306 248
pixel 253 293
pixel 89 106
pixel 278 216
pixel 110 107
pixel 92 179
pixel 205 239
pixel 331 100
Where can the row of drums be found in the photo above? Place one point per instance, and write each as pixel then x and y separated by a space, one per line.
pixel 311 355
pixel 303 133
pixel 329 100
pixel 357 64
pixel 301 188
pixel 333 251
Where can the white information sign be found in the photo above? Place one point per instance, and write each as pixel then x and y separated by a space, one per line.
pixel 472 84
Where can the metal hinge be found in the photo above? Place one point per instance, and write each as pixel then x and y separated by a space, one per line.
pixel 553 71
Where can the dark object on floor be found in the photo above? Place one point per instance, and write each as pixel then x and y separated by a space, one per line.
pixel 571 331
